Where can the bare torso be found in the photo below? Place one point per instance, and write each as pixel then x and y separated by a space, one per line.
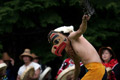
pixel 85 51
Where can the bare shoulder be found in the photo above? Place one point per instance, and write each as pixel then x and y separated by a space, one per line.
pixel 73 36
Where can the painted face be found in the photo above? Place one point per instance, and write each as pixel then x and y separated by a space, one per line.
pixel 58 41
pixel 106 55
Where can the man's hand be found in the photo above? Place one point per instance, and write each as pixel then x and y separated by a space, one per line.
pixel 86 17
pixel 1 61
pixel 18 77
pixel 109 70
pixel 2 73
pixel 76 34
pixel 12 61
pixel 69 77
pixel 35 76
pixel 29 78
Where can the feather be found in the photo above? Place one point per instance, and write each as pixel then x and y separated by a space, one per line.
pixel 88 8
pixel 65 29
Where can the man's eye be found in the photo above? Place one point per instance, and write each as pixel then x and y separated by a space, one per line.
pixel 56 41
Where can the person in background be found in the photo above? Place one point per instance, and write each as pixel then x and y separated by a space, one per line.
pixel 1 61
pixel 68 63
pixel 2 74
pixel 109 61
pixel 36 60
pixel 27 58
pixel 10 66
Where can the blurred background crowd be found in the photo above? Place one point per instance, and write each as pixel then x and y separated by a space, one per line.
pixel 107 56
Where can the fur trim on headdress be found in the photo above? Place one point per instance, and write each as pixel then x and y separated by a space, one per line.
pixel 65 29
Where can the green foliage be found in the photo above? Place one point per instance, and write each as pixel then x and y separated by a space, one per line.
pixel 17 13
pixel 1 47
pixel 105 23
pixel 0 55
pixel 27 14
pixel 51 18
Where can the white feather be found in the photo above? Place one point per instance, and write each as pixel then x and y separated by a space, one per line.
pixel 65 29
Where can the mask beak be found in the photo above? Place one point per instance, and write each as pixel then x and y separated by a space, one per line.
pixel 60 49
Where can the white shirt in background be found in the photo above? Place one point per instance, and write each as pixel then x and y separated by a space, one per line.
pixel 23 68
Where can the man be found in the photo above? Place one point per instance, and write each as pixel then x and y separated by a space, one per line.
pixel 10 66
pixel 42 67
pixel 36 60
pixel 79 49
pixel 1 61
pixel 27 58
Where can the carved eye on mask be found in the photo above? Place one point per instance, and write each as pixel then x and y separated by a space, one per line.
pixel 65 39
pixel 56 41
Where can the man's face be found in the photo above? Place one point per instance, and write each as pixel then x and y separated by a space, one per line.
pixel 1 61
pixel 59 42
pixel 36 60
pixel 26 59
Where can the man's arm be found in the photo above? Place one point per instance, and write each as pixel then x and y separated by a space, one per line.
pixel 36 75
pixel 18 77
pixel 76 60
pixel 82 28
pixel 77 69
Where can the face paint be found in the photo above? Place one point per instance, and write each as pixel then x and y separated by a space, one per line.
pixel 59 42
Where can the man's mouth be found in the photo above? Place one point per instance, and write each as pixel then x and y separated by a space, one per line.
pixel 60 49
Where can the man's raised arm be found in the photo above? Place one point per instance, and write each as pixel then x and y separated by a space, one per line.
pixel 82 28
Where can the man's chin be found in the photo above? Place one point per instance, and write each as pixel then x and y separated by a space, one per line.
pixel 63 52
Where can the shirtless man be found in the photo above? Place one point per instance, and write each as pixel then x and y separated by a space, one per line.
pixel 78 48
